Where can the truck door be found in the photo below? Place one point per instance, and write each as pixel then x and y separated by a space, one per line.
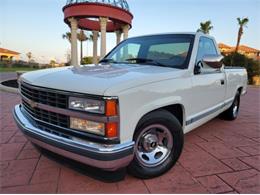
pixel 208 85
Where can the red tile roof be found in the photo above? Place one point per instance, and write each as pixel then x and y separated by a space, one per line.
pixel 247 49
pixel 222 45
pixel 7 51
pixel 243 48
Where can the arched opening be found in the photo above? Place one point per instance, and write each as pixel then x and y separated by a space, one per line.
pixel 4 58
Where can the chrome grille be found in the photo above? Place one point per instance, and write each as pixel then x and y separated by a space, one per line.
pixel 47 97
pixel 47 116
pixel 43 96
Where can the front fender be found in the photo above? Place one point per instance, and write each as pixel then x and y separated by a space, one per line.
pixel 136 103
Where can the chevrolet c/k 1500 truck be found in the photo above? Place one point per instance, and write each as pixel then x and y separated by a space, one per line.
pixel 133 108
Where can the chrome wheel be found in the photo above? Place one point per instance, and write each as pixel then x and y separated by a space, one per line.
pixel 153 145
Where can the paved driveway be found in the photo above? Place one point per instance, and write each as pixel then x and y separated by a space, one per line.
pixel 7 75
pixel 219 157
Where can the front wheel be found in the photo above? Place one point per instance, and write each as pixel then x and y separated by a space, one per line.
pixel 158 144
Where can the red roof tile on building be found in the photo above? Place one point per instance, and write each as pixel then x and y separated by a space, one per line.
pixel 243 48
pixel 222 45
pixel 247 49
pixel 7 51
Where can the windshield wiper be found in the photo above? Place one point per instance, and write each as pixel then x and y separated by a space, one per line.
pixel 146 61
pixel 108 60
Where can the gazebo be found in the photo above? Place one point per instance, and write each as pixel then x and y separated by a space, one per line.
pixel 97 16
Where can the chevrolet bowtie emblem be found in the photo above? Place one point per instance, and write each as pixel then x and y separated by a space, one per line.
pixel 33 104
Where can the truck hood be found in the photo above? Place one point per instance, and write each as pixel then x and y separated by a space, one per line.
pixel 99 79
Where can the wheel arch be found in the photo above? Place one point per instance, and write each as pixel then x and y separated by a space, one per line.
pixel 176 110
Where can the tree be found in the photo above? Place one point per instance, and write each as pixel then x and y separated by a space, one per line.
pixel 67 36
pixel 91 37
pixel 252 66
pixel 242 23
pixel 82 37
pixel 52 63
pixel 87 60
pixel 29 56
pixel 205 27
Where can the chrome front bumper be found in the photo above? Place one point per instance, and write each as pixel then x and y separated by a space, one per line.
pixel 108 157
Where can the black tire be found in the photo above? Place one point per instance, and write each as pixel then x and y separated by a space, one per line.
pixel 232 113
pixel 164 119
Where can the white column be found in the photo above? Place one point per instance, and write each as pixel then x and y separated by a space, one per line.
pixel 103 29
pixel 74 46
pixel 95 39
pixel 125 31
pixel 118 36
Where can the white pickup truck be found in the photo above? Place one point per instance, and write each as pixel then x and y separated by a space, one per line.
pixel 132 109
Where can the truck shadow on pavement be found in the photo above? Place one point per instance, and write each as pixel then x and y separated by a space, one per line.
pixel 93 172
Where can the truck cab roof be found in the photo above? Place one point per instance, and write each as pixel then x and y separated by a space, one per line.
pixel 198 34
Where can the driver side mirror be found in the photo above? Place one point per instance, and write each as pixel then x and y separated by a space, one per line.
pixel 213 61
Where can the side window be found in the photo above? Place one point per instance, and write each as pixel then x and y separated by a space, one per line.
pixel 206 47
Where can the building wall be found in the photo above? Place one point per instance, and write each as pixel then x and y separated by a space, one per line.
pixel 6 56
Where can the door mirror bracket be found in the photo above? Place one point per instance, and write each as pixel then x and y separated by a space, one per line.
pixel 198 67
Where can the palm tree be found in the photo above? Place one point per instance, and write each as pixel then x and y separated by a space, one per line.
pixel 205 27
pixel 67 36
pixel 91 37
pixel 29 56
pixel 242 23
pixel 82 37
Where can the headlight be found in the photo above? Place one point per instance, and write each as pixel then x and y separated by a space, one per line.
pixel 88 105
pixel 87 126
pixel 106 107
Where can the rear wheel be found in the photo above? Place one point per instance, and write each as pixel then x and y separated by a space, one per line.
pixel 232 112
pixel 158 144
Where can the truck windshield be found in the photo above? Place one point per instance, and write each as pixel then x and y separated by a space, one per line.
pixel 158 50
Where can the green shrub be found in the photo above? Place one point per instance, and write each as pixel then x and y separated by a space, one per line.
pixel 87 60
pixel 18 64
pixel 252 66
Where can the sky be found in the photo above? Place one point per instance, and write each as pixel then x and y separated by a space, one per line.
pixel 37 25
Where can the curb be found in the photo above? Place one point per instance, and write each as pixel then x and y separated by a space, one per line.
pixel 8 89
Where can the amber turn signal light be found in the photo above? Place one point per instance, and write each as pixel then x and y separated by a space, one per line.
pixel 111 108
pixel 111 130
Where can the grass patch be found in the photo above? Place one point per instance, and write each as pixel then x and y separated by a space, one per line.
pixel 14 69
